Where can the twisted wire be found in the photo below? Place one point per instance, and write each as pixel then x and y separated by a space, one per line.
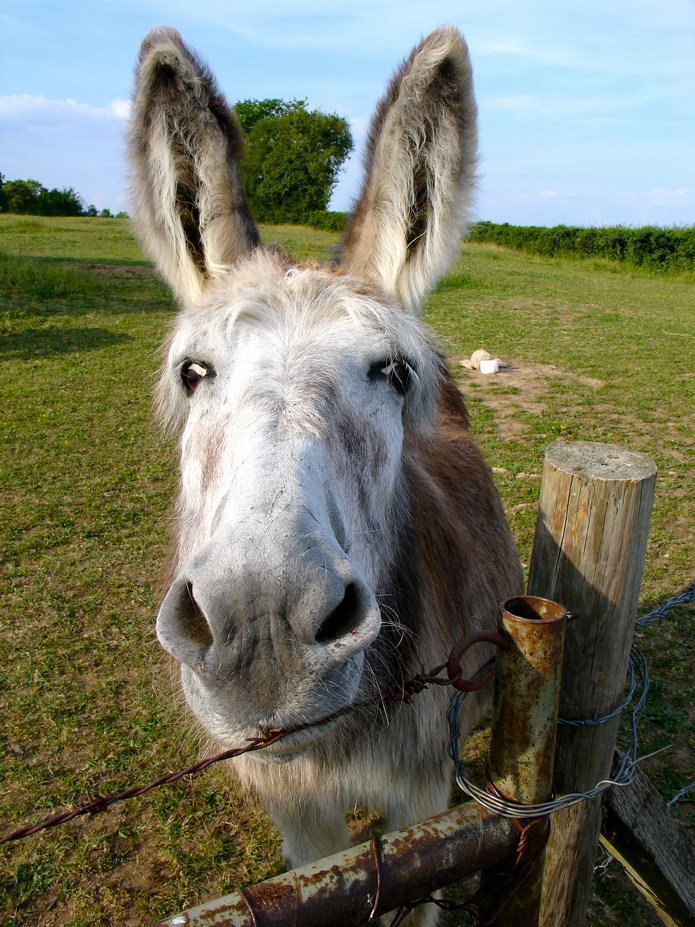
pixel 658 615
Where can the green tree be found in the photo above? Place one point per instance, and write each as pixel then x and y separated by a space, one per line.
pixel 292 160
pixel 23 196
pixel 29 197
pixel 249 112
pixel 64 202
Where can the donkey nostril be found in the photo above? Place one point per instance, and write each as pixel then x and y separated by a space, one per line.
pixel 345 618
pixel 192 622
pixel 182 628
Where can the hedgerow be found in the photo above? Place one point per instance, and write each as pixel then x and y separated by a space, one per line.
pixel 327 221
pixel 659 249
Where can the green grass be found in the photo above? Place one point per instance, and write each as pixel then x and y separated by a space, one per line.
pixel 88 702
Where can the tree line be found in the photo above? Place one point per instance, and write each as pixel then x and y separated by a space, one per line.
pixel 31 198
pixel 290 166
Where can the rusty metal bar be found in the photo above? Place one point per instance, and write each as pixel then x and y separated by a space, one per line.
pixel 376 876
pixel 404 866
pixel 527 695
pixel 522 749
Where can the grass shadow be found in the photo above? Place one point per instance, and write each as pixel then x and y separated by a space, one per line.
pixel 41 287
pixel 35 343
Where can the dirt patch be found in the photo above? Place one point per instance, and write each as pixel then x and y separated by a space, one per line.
pixel 515 387
pixel 142 271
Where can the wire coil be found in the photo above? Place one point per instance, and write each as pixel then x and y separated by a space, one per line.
pixel 623 774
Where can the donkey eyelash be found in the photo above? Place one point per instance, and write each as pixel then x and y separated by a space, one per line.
pixel 397 372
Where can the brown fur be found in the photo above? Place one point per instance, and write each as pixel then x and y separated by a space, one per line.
pixel 338 529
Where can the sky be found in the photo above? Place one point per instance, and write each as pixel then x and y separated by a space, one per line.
pixel 586 107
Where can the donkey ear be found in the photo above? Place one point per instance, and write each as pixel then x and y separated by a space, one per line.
pixel 420 173
pixel 184 144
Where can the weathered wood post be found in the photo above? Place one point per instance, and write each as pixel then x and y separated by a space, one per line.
pixel 593 519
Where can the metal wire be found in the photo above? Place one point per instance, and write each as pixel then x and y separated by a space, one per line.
pixel 680 794
pixel 628 760
pixel 588 722
pixel 453 676
pixel 623 774
pixel 658 615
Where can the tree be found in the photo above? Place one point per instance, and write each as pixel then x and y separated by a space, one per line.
pixel 22 195
pixel 64 202
pixel 293 156
pixel 29 197
pixel 249 112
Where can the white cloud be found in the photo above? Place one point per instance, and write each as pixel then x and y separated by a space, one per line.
pixel 359 126
pixel 661 196
pixel 120 108
pixel 580 102
pixel 27 108
pixel 66 143
pixel 564 105
pixel 543 53
pixel 548 195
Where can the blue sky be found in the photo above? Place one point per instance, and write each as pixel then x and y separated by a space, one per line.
pixel 587 108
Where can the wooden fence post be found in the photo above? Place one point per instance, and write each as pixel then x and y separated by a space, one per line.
pixel 593 519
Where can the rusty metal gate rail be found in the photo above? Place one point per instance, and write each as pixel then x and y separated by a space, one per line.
pixel 358 884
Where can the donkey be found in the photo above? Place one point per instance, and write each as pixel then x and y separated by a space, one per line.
pixel 337 528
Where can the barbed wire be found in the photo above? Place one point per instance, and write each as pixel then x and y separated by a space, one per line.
pixel 658 615
pixel 454 677
pixel 681 794
pixel 623 775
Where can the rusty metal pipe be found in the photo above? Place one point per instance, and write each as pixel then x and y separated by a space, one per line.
pixel 406 865
pixel 527 695
pixel 528 679
pixel 377 876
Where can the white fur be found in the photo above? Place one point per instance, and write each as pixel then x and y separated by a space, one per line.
pixel 307 466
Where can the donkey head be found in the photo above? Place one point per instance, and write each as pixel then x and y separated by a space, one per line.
pixel 295 389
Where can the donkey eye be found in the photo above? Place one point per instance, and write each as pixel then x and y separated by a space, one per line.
pixel 192 374
pixel 398 373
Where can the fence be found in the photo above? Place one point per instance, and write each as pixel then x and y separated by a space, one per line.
pixel 589 549
pixel 594 513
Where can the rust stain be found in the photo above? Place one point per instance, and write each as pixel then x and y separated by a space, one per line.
pixel 370 879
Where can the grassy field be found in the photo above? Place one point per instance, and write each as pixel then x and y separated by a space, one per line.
pixel 88 702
